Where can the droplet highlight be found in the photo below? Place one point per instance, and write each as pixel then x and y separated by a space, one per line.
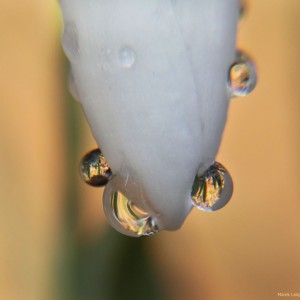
pixel 94 169
pixel 127 218
pixel 242 76
pixel 212 190
pixel 127 57
pixel 70 41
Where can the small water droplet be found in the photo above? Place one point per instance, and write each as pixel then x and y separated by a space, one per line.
pixel 127 218
pixel 242 75
pixel 70 41
pixel 94 169
pixel 127 57
pixel 212 190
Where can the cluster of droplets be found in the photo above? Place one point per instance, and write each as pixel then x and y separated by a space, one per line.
pixel 210 191
pixel 123 215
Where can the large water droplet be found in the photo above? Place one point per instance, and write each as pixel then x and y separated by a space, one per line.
pixel 212 190
pixel 127 57
pixel 242 75
pixel 126 217
pixel 70 41
pixel 94 169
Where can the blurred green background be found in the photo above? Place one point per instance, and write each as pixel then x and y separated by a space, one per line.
pixel 54 239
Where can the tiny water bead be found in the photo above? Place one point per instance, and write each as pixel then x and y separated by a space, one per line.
pixel 242 76
pixel 127 218
pixel 94 169
pixel 212 190
pixel 127 57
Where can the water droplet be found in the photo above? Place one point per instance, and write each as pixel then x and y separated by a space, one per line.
pixel 70 41
pixel 212 190
pixel 242 75
pixel 127 57
pixel 126 217
pixel 94 169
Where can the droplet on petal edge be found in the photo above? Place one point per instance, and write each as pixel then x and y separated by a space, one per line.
pixel 126 217
pixel 94 169
pixel 212 190
pixel 242 75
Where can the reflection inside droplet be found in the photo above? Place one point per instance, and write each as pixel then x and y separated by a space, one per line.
pixel 127 57
pixel 130 217
pixel 242 75
pixel 212 190
pixel 94 169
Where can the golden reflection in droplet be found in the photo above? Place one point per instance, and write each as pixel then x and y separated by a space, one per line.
pixel 131 217
pixel 213 189
pixel 94 169
pixel 242 75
